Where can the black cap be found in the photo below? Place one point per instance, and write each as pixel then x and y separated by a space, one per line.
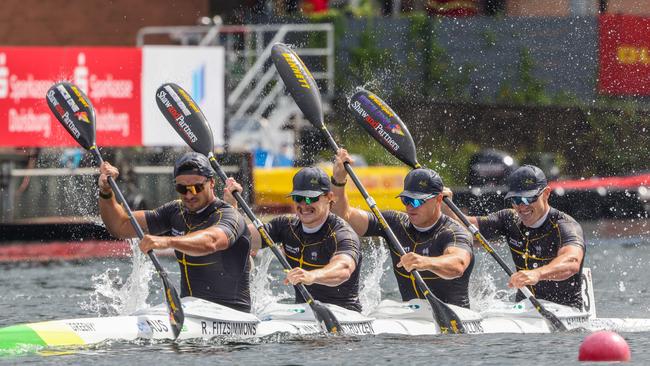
pixel 422 183
pixel 193 163
pixel 527 181
pixel 310 182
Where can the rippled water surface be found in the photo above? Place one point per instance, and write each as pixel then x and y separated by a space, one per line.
pixel 31 292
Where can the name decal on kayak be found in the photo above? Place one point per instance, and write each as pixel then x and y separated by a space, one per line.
pixel 82 327
pixel 228 328
pixel 158 326
pixel 473 327
pixel 358 328
pixel 575 320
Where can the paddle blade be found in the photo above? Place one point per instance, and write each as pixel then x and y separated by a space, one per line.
pixel 75 112
pixel 176 314
pixel 384 125
pixel 325 317
pixel 299 82
pixel 184 115
pixel 446 318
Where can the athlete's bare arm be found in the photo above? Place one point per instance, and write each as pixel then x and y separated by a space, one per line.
pixel 451 264
pixel 198 243
pixel 338 270
pixel 113 214
pixel 357 218
pixel 565 265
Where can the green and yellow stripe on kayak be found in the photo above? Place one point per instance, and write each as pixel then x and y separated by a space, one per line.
pixel 45 334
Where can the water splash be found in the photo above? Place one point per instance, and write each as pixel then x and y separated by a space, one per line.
pixel 486 291
pixel 114 295
pixel 262 282
pixel 375 254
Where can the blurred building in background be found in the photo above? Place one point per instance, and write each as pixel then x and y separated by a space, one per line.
pixel 499 52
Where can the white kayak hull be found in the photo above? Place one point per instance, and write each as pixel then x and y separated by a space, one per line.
pixel 205 320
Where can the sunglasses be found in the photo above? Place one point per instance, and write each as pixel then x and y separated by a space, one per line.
pixel 194 188
pixel 308 200
pixel 415 202
pixel 522 200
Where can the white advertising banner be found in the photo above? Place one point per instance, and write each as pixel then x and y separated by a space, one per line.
pixel 198 70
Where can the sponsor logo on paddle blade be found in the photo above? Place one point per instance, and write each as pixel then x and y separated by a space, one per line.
pixel 299 82
pixel 184 115
pixel 384 125
pixel 73 109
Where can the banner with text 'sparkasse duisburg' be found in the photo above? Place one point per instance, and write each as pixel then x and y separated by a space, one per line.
pixel 120 82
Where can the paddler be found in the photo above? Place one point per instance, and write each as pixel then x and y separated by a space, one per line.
pixel 323 249
pixel 435 244
pixel 547 245
pixel 209 237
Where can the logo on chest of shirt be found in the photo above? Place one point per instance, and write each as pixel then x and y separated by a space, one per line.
pixel 292 250
pixel 177 232
pixel 515 243
pixel 314 256
pixel 425 251
pixel 407 249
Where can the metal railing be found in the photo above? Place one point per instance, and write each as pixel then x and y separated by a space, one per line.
pixel 253 88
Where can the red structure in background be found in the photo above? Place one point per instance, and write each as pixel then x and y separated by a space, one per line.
pixel 110 76
pixel 620 183
pixel 624 43
pixel 453 8
pixel 315 6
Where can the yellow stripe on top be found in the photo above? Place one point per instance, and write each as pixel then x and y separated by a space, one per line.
pixel 57 334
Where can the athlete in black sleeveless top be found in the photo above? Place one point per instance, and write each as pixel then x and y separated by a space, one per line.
pixel 323 250
pixel 547 245
pixel 435 245
pixel 209 237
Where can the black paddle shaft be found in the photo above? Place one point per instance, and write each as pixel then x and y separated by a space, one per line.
pixel 439 307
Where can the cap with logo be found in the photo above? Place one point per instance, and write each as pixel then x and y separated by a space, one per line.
pixel 422 183
pixel 310 182
pixel 527 181
pixel 193 163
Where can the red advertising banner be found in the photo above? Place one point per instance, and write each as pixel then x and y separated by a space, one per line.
pixel 110 77
pixel 624 55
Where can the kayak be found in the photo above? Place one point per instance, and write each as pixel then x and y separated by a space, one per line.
pixel 206 320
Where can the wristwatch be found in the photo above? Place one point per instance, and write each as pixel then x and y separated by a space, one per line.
pixel 105 196
pixel 337 184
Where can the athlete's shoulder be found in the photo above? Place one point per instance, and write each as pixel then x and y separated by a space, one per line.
pixel 170 207
pixel 451 224
pixel 341 226
pixel 224 207
pixel 561 216
pixel 563 220
pixel 395 216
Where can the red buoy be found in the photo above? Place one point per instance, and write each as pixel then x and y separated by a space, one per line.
pixel 604 346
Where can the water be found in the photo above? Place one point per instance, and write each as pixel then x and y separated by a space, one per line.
pixel 108 287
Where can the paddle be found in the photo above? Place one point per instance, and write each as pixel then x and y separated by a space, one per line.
pixel 185 117
pixel 385 126
pixel 304 90
pixel 73 109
